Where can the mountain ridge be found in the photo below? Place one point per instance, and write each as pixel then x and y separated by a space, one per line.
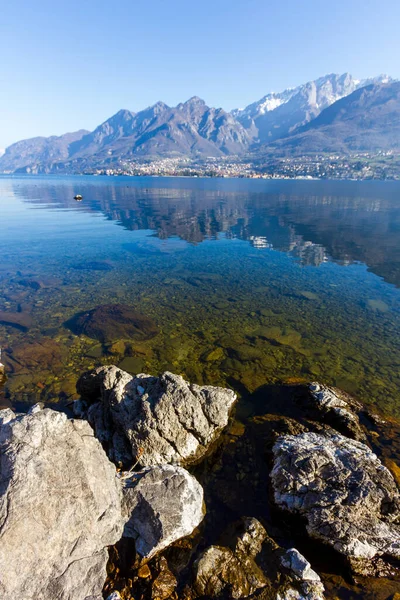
pixel 196 131
pixel 366 120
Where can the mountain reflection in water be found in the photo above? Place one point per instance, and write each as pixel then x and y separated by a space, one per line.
pixel 303 218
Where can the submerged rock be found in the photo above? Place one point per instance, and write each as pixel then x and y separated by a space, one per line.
pixel 161 419
pixel 162 505
pixel 232 569
pixel 348 498
pixel 43 353
pixel 93 265
pixel 19 320
pixel 60 507
pixel 110 322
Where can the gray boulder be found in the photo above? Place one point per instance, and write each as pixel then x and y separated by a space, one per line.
pixel 348 498
pixel 60 507
pixel 155 420
pixel 308 584
pixel 161 505
pixel 233 569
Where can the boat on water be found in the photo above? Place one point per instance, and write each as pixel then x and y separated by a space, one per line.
pixel 78 197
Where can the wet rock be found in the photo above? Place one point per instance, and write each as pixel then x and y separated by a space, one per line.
pixel 111 322
pixel 347 497
pixel 338 409
pixel 164 419
pixel 309 585
pixel 162 505
pixel 60 507
pixel 20 320
pixel 232 569
pixel 164 585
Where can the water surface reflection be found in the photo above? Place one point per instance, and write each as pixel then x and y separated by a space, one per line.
pixel 248 281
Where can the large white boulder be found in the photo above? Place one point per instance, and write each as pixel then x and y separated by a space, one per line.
pixel 60 507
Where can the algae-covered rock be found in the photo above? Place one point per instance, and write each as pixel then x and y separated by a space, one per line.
pixel 110 322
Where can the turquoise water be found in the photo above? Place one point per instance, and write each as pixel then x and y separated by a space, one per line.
pixel 248 282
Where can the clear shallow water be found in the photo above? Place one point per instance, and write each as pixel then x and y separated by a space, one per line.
pixel 249 282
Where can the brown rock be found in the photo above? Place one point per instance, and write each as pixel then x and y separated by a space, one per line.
pixel 165 583
pixel 144 572
pixel 234 568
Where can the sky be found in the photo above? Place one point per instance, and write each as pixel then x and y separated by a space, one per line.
pixel 71 64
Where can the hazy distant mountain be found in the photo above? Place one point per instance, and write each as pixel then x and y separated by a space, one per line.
pixel 39 150
pixel 277 115
pixel 192 129
pixel 366 120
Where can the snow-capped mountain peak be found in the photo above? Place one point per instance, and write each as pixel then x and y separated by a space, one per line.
pixel 280 113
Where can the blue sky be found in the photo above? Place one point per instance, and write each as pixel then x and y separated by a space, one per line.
pixel 71 64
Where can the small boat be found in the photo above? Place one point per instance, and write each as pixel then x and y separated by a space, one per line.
pixel 78 197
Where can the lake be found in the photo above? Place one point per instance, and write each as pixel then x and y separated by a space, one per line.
pixel 248 281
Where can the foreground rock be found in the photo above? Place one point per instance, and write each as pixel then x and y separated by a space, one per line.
pixel 232 569
pixel 161 504
pixel 60 507
pixel 155 420
pixel 348 498
pixel 110 322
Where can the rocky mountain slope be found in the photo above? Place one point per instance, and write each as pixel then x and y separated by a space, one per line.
pixel 196 131
pixel 277 115
pixel 190 129
pixel 39 149
pixel 367 120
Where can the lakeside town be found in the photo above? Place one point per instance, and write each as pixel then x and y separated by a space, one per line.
pixel 358 166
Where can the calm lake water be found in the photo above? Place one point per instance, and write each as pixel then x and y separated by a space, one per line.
pixel 249 282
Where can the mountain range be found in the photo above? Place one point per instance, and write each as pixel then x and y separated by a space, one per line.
pixel 335 113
